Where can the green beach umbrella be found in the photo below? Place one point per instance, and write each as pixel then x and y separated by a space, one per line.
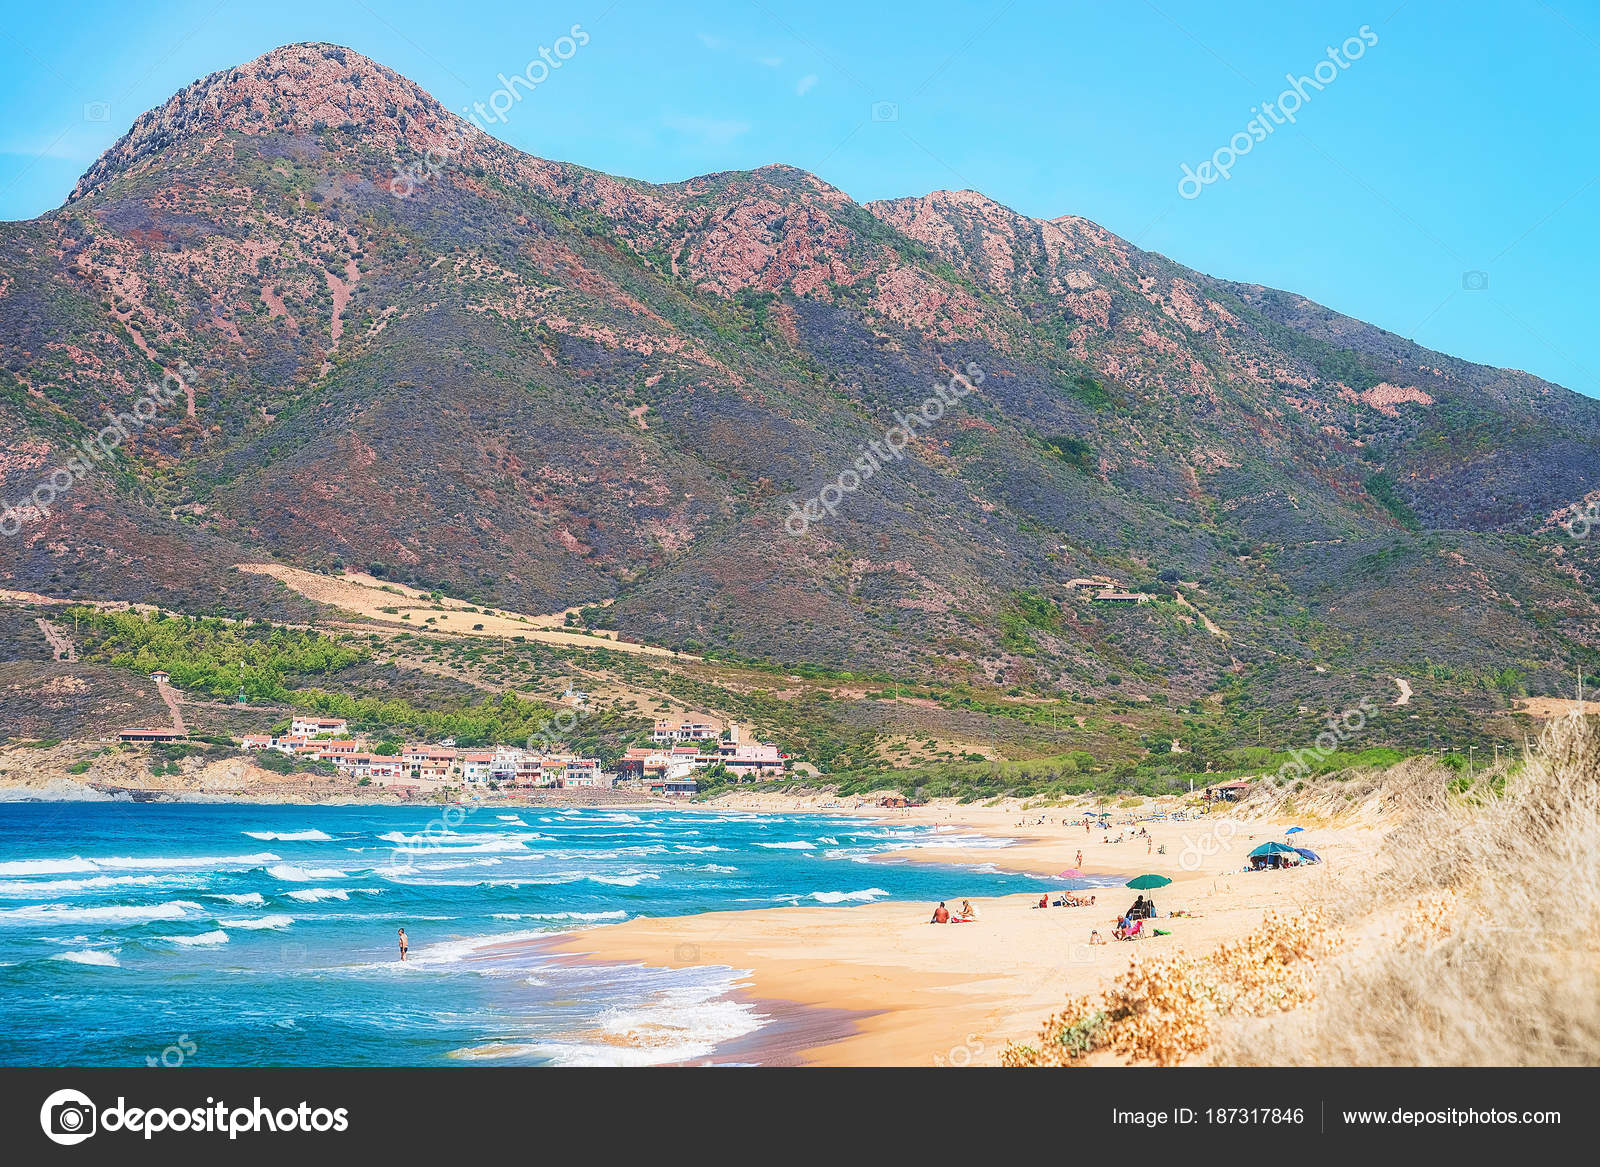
pixel 1148 882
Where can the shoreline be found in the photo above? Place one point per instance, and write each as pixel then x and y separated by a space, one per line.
pixel 875 985
pixel 954 995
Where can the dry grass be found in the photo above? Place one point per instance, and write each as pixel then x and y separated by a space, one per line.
pixel 1164 1009
pixel 1478 926
pixel 1472 939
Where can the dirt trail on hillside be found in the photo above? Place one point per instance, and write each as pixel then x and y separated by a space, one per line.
pixel 1545 708
pixel 59 643
pixel 170 696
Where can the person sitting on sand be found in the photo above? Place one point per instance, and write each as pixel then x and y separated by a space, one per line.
pixel 1044 901
pixel 1096 938
pixel 1137 911
pixel 941 914
pixel 968 914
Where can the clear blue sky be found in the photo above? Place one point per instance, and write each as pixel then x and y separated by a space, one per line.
pixel 1463 141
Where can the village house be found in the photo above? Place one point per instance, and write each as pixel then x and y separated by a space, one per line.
pixel 435 763
pixel 303 726
pixel 1094 583
pixel 255 741
pixel 332 751
pixel 685 786
pixel 686 729
pixel 475 765
pixel 530 772
pixel 1109 597
pixel 750 760
pixel 150 735
pixel 584 772
pixel 1227 791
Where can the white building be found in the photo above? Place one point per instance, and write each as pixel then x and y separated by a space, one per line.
pixel 318 726
pixel 686 729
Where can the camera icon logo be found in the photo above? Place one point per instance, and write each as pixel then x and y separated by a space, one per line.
pixel 68 1117
pixel 97 111
pixel 885 111
pixel 686 954
pixel 1475 281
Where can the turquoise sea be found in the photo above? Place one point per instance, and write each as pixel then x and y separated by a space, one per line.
pixel 226 934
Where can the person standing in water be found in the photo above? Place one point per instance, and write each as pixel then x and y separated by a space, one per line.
pixel 404 944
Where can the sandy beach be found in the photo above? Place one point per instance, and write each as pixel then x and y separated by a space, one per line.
pixel 929 995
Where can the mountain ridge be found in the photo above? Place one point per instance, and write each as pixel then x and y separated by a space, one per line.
pixel 620 384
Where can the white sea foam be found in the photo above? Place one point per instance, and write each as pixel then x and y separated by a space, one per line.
pixel 291 836
pixel 292 874
pixel 799 845
pixel 679 1024
pixel 165 862
pixel 258 924
pixel 36 889
pixel 203 940
pixel 848 897
pixel 453 951
pixel 630 879
pixel 47 866
pixel 247 898
pixel 67 914
pixel 585 916
pixel 98 957
pixel 312 895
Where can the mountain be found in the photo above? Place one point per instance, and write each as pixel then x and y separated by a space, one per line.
pixel 402 344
